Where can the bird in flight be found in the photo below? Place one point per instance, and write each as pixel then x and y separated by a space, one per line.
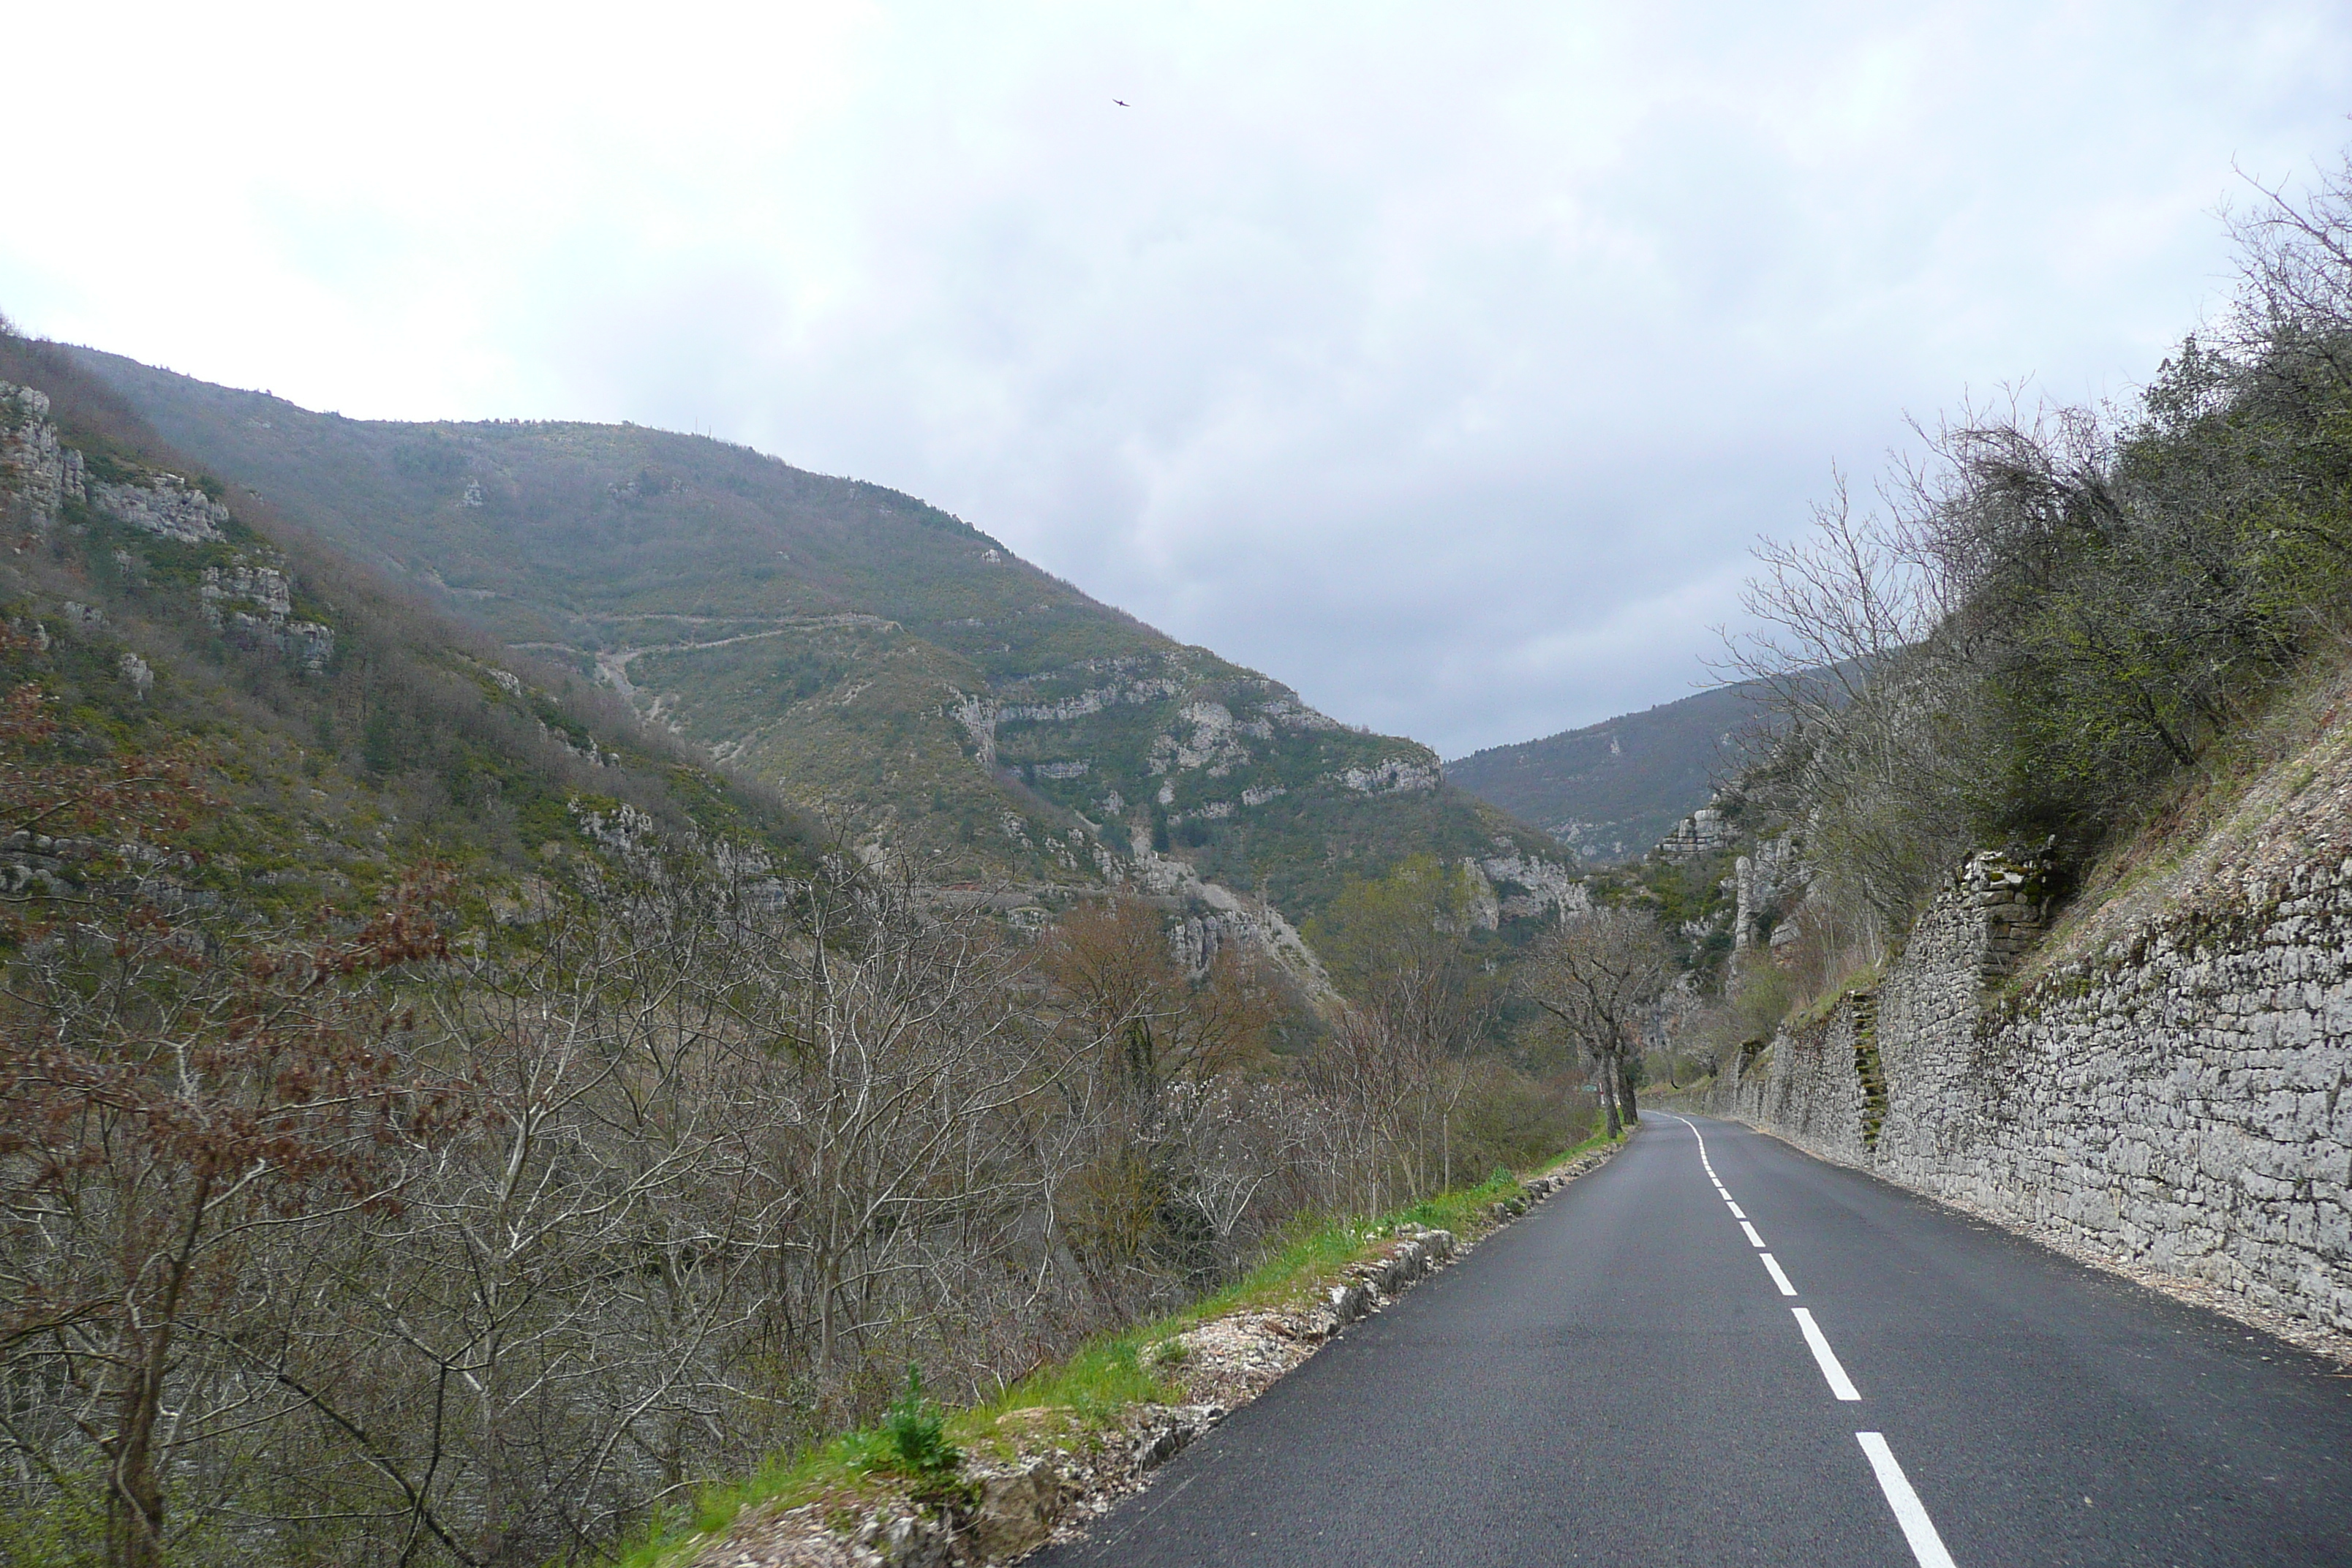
pixel 1122 103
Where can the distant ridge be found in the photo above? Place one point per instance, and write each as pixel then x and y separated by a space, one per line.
pixel 1614 789
pixel 886 668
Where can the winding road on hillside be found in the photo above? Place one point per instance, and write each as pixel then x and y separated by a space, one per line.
pixel 1716 1350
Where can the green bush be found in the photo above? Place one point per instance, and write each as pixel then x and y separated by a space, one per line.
pixel 918 1434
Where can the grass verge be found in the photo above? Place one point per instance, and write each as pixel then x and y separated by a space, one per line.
pixel 1093 1386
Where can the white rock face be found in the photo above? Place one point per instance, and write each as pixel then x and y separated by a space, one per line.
pixel 978 717
pixel 40 474
pixel 254 603
pixel 1093 700
pixel 137 675
pixel 1702 832
pixel 1546 886
pixel 1236 917
pixel 1485 904
pixel 1538 888
pixel 1292 714
pixel 1394 775
pixel 1212 745
pixel 264 586
pixel 1763 882
pixel 169 508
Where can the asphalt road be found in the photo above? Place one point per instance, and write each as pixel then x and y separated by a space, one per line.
pixel 1619 1378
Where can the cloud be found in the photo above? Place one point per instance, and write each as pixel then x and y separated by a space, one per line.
pixel 1440 364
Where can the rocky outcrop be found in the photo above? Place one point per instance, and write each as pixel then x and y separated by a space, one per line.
pixel 1212 742
pixel 1703 832
pixel 1520 887
pixel 1763 883
pixel 253 605
pixel 250 602
pixel 1228 916
pixel 1543 886
pixel 37 473
pixel 40 474
pixel 1390 775
pixel 167 506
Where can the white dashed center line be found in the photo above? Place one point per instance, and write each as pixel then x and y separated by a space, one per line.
pixel 1910 1512
pixel 1918 1530
pixel 1840 1384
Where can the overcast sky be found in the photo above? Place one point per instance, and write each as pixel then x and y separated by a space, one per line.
pixel 1441 360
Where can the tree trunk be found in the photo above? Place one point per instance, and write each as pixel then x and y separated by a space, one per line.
pixel 134 1493
pixel 1625 1084
pixel 134 1500
pixel 1605 1080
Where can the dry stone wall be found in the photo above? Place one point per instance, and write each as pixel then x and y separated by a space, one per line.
pixel 2181 1103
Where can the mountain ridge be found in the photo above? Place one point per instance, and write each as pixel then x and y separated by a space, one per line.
pixel 1613 790
pixel 887 666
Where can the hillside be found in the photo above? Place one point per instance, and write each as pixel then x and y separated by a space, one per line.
pixel 1611 789
pixel 341 733
pixel 882 664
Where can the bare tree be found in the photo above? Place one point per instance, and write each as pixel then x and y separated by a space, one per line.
pixel 174 1118
pixel 1829 611
pixel 2295 266
pixel 1598 975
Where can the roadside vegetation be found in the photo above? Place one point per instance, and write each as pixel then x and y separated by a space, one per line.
pixel 2072 633
pixel 1087 1393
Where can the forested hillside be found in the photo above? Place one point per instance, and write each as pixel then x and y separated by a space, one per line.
pixel 344 732
pixel 881 664
pixel 1611 791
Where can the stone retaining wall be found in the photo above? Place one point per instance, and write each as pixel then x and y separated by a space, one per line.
pixel 2180 1103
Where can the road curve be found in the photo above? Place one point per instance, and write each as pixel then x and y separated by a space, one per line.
pixel 1623 1377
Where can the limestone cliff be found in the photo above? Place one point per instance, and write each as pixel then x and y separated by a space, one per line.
pixel 156 526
